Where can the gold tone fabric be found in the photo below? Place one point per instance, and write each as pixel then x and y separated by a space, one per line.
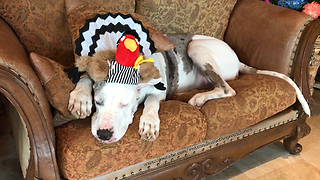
pixel 42 28
pixel 81 156
pixel 258 97
pixel 171 17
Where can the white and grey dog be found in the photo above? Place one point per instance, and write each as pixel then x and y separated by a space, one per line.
pixel 196 62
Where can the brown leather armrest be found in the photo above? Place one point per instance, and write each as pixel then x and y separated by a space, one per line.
pixel 271 37
pixel 21 86
pixel 265 35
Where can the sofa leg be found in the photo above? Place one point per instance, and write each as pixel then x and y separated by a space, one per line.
pixel 291 143
pixel 306 129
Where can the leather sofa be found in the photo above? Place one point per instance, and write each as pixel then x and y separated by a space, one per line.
pixel 193 144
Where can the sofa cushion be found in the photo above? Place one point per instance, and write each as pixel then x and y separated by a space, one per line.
pixel 42 28
pixel 258 97
pixel 81 156
pixel 172 17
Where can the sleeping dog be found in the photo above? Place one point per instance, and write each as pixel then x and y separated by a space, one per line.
pixel 196 62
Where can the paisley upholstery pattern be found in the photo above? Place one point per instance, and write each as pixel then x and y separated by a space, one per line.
pixel 179 16
pixel 258 97
pixel 42 26
pixel 81 156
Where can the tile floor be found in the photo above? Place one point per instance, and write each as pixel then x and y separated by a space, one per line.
pixel 269 163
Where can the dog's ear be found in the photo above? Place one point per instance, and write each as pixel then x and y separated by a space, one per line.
pixel 96 66
pixel 98 70
pixel 148 71
pixel 82 62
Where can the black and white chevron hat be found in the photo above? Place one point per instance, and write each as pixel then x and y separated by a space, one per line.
pixel 103 32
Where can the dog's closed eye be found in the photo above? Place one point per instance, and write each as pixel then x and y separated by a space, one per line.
pixel 123 105
pixel 99 103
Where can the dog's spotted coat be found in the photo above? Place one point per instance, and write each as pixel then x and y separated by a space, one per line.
pixel 196 62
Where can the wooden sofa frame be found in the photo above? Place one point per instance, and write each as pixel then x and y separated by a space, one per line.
pixel 15 86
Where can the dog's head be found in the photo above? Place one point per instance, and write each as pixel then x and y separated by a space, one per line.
pixel 115 106
pixel 116 94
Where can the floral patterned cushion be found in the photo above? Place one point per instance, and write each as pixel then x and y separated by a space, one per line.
pixel 42 28
pixel 81 156
pixel 179 16
pixel 258 97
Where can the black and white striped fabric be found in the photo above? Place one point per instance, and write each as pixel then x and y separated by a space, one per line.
pixel 123 74
pixel 103 32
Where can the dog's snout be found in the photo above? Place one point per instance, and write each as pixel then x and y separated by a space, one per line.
pixel 104 134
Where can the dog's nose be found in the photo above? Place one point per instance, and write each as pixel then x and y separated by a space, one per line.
pixel 104 134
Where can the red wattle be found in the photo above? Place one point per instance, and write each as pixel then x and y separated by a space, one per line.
pixel 123 55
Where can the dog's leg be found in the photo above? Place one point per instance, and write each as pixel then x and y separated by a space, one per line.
pixel 149 125
pixel 80 102
pixel 218 62
pixel 221 88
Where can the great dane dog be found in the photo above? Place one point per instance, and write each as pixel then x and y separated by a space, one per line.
pixel 196 62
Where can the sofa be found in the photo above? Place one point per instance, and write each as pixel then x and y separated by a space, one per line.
pixel 193 144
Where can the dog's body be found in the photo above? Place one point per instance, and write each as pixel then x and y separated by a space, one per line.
pixel 196 62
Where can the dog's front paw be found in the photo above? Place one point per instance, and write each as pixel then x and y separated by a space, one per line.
pixel 80 103
pixel 149 128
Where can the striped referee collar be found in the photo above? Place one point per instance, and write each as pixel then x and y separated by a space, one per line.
pixel 123 74
pixel 129 75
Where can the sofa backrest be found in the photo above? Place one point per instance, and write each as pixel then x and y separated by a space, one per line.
pixel 42 26
pixel 206 17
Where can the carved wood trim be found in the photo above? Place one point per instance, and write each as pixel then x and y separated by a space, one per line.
pixel 314 64
pixel 291 143
pixel 306 129
pixel 207 168
pixel 301 64
pixel 43 163
pixel 219 158
pixel 295 48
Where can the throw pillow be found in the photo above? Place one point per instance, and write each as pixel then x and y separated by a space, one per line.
pixel 56 83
